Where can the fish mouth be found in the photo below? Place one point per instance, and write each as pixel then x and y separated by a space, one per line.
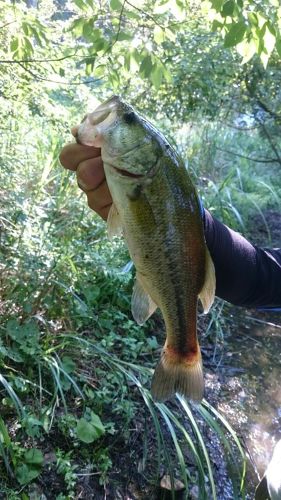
pixel 103 111
pixel 125 173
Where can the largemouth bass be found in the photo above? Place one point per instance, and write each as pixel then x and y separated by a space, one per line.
pixel 156 207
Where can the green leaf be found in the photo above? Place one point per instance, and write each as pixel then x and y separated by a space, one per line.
pixel 115 5
pixel 132 14
pixel 216 25
pixel 161 7
pixel 81 4
pixel 217 4
pixel 28 46
pixel 278 46
pixel 253 19
pixel 146 66
pixel 269 38
pixel 124 36
pixel 25 474
pixel 25 28
pixel 235 34
pixel 14 44
pixel 90 431
pixel 247 49
pixel 158 35
pixel 157 76
pixel 77 26
pixel 228 8
pixel 33 456
pixel 100 71
pixel 68 364
pixel 88 30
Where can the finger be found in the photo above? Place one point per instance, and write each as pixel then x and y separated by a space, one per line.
pixel 103 212
pixel 90 174
pixel 73 154
pixel 100 199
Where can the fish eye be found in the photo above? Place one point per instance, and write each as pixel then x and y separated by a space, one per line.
pixel 129 117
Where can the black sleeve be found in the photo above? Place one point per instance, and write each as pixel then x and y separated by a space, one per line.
pixel 246 275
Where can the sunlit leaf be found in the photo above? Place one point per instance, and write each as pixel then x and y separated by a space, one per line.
pixel 122 35
pixel 77 26
pixel 269 39
pixel 278 46
pixel 115 4
pixel 253 18
pixel 81 4
pixel 161 7
pixel 158 34
pixel 247 49
pixel 14 44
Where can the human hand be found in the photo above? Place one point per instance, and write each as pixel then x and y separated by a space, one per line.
pixel 87 162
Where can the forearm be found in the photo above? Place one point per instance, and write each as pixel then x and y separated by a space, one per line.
pixel 245 275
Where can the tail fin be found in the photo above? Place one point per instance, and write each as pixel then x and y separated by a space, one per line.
pixel 180 375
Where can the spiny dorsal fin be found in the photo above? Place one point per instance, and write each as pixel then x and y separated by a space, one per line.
pixel 114 225
pixel 142 304
pixel 207 294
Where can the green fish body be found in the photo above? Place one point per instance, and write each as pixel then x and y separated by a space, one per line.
pixel 156 207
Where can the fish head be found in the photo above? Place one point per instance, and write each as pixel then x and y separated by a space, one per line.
pixel 128 142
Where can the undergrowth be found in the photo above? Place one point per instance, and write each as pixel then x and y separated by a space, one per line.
pixel 75 368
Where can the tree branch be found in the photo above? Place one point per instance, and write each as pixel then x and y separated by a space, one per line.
pixel 27 61
pixel 272 145
pixel 267 110
pixel 145 14
pixel 7 24
pixel 41 78
pixel 258 160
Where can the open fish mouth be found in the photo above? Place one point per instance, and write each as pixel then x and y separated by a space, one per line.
pixel 92 127
pixel 103 111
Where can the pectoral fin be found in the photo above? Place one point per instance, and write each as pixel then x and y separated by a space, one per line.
pixel 114 225
pixel 207 294
pixel 142 304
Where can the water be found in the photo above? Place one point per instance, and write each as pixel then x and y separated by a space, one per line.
pixel 250 394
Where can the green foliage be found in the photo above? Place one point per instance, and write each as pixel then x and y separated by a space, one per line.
pixel 30 467
pixel 90 430
pixel 253 27
pixel 67 469
pixel 74 365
